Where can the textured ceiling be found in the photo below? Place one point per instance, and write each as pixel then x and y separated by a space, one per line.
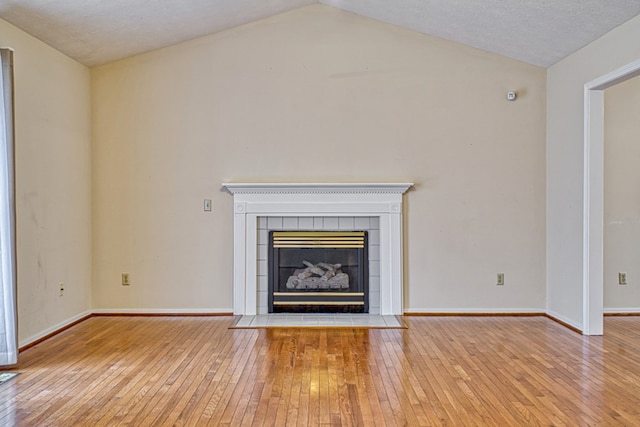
pixel 540 32
pixel 99 31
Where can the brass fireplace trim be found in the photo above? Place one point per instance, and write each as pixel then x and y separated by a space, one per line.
pixel 318 294
pixel 318 303
pixel 318 239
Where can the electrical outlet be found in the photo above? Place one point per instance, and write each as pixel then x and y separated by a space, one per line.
pixel 622 278
pixel 61 289
pixel 125 279
pixel 500 279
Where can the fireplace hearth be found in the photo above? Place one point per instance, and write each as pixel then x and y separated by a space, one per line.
pixel 318 271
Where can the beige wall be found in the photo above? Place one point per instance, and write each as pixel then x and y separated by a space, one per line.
pixel 53 192
pixel 622 196
pixel 318 94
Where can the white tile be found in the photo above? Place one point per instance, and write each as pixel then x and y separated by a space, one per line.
pixel 261 320
pixel 374 252
pixel 375 223
pixel 346 223
pixel 263 237
pixel 331 223
pixel 263 268
pixel 374 300
pixel 290 223
pixel 305 223
pixel 274 223
pixel 284 322
pixel 329 320
pixel 339 318
pixel 262 251
pixel 263 283
pixel 262 223
pixel 361 223
pixel 343 322
pixel 376 321
pixel 358 317
pixel 318 223
pixel 374 283
pixel 245 321
pixel 361 322
pixel 263 301
pixel 374 237
pixel 374 268
pixel 391 321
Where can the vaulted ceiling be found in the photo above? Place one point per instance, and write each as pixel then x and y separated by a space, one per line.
pixel 539 32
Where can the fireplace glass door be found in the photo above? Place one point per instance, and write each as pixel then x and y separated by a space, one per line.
pixel 318 271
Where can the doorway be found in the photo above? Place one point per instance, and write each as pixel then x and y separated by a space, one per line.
pixel 593 208
pixel 622 198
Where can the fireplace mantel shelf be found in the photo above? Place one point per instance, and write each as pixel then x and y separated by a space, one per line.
pixel 317 188
pixel 254 200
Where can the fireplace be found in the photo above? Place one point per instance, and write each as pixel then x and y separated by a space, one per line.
pixel 254 201
pixel 318 271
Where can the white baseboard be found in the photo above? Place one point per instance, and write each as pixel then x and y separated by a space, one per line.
pixel 162 311
pixel 478 311
pixel 53 329
pixel 634 310
pixel 566 320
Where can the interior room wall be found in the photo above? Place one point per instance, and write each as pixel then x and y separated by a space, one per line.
pixel 565 160
pixel 318 94
pixel 53 184
pixel 622 196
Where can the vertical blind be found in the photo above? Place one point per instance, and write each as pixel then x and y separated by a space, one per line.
pixel 8 315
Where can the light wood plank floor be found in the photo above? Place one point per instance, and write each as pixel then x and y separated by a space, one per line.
pixel 194 371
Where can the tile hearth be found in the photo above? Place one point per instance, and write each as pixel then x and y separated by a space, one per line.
pixel 318 321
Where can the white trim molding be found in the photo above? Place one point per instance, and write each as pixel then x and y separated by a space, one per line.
pixel 253 200
pixel 317 188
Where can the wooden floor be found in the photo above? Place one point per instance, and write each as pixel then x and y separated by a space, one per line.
pixel 192 371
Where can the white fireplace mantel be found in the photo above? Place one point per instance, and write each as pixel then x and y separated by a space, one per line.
pixel 254 200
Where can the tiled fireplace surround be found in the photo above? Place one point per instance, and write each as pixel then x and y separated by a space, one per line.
pixel 374 207
pixel 328 223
